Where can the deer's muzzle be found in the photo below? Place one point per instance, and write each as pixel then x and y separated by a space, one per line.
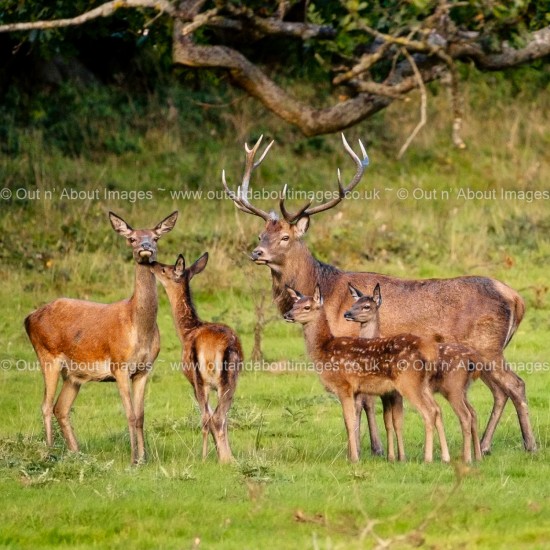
pixel 145 255
pixel 258 256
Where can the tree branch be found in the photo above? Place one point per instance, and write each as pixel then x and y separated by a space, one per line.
pixel 272 27
pixel 423 103
pixel 253 80
pixel 439 47
pixel 105 10
pixel 536 48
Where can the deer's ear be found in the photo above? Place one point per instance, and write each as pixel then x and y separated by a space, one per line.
pixel 179 266
pixel 119 225
pixel 199 265
pixel 355 293
pixel 301 226
pixel 294 294
pixel 377 295
pixel 167 224
pixel 317 298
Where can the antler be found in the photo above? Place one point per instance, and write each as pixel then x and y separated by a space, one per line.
pixel 343 192
pixel 240 198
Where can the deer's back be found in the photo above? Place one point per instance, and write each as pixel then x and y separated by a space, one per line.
pixel 372 366
pixel 82 331
pixel 476 311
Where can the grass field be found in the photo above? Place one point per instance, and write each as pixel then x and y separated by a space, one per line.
pixel 291 486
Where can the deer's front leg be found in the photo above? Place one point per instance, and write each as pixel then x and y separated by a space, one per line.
pixel 370 410
pixel 139 383
pixel 123 383
pixel 349 411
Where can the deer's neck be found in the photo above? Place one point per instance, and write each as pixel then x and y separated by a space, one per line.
pixel 301 271
pixel 370 329
pixel 144 301
pixel 183 310
pixel 318 336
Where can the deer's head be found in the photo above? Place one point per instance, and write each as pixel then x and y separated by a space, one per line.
pixel 282 235
pixel 306 308
pixel 143 241
pixel 173 276
pixel 365 307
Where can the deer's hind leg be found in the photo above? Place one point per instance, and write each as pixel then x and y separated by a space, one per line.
pixel 226 389
pixel 478 455
pixel 394 403
pixel 62 409
pixel 456 398
pixel 201 393
pixel 436 412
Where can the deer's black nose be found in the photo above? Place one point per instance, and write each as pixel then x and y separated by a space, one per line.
pixel 257 253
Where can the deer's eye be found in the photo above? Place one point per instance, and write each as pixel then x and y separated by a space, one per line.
pixel 155 239
pixel 132 240
pixel 366 308
pixel 285 238
pixel 307 308
pixel 163 270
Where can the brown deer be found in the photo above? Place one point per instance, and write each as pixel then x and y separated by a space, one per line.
pixel 87 341
pixel 350 366
pixel 367 315
pixel 456 367
pixel 476 311
pixel 212 353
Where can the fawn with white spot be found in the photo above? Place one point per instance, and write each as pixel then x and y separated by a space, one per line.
pixel 456 367
pixel 212 354
pixel 475 311
pixel 86 341
pixel 351 366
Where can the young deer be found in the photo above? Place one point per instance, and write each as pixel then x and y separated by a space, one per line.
pixel 351 366
pixel 87 341
pixel 455 369
pixel 475 311
pixel 212 353
pixel 366 313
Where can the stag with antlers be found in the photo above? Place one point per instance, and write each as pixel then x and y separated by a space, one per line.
pixel 477 311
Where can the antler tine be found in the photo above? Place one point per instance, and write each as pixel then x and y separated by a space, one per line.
pixel 240 198
pixel 233 196
pixel 252 152
pixel 230 193
pixel 343 191
pixel 290 218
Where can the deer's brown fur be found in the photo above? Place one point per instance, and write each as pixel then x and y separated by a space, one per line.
pixel 212 353
pixel 457 365
pixel 351 366
pixel 476 311
pixel 86 341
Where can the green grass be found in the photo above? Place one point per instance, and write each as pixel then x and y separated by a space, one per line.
pixel 291 486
